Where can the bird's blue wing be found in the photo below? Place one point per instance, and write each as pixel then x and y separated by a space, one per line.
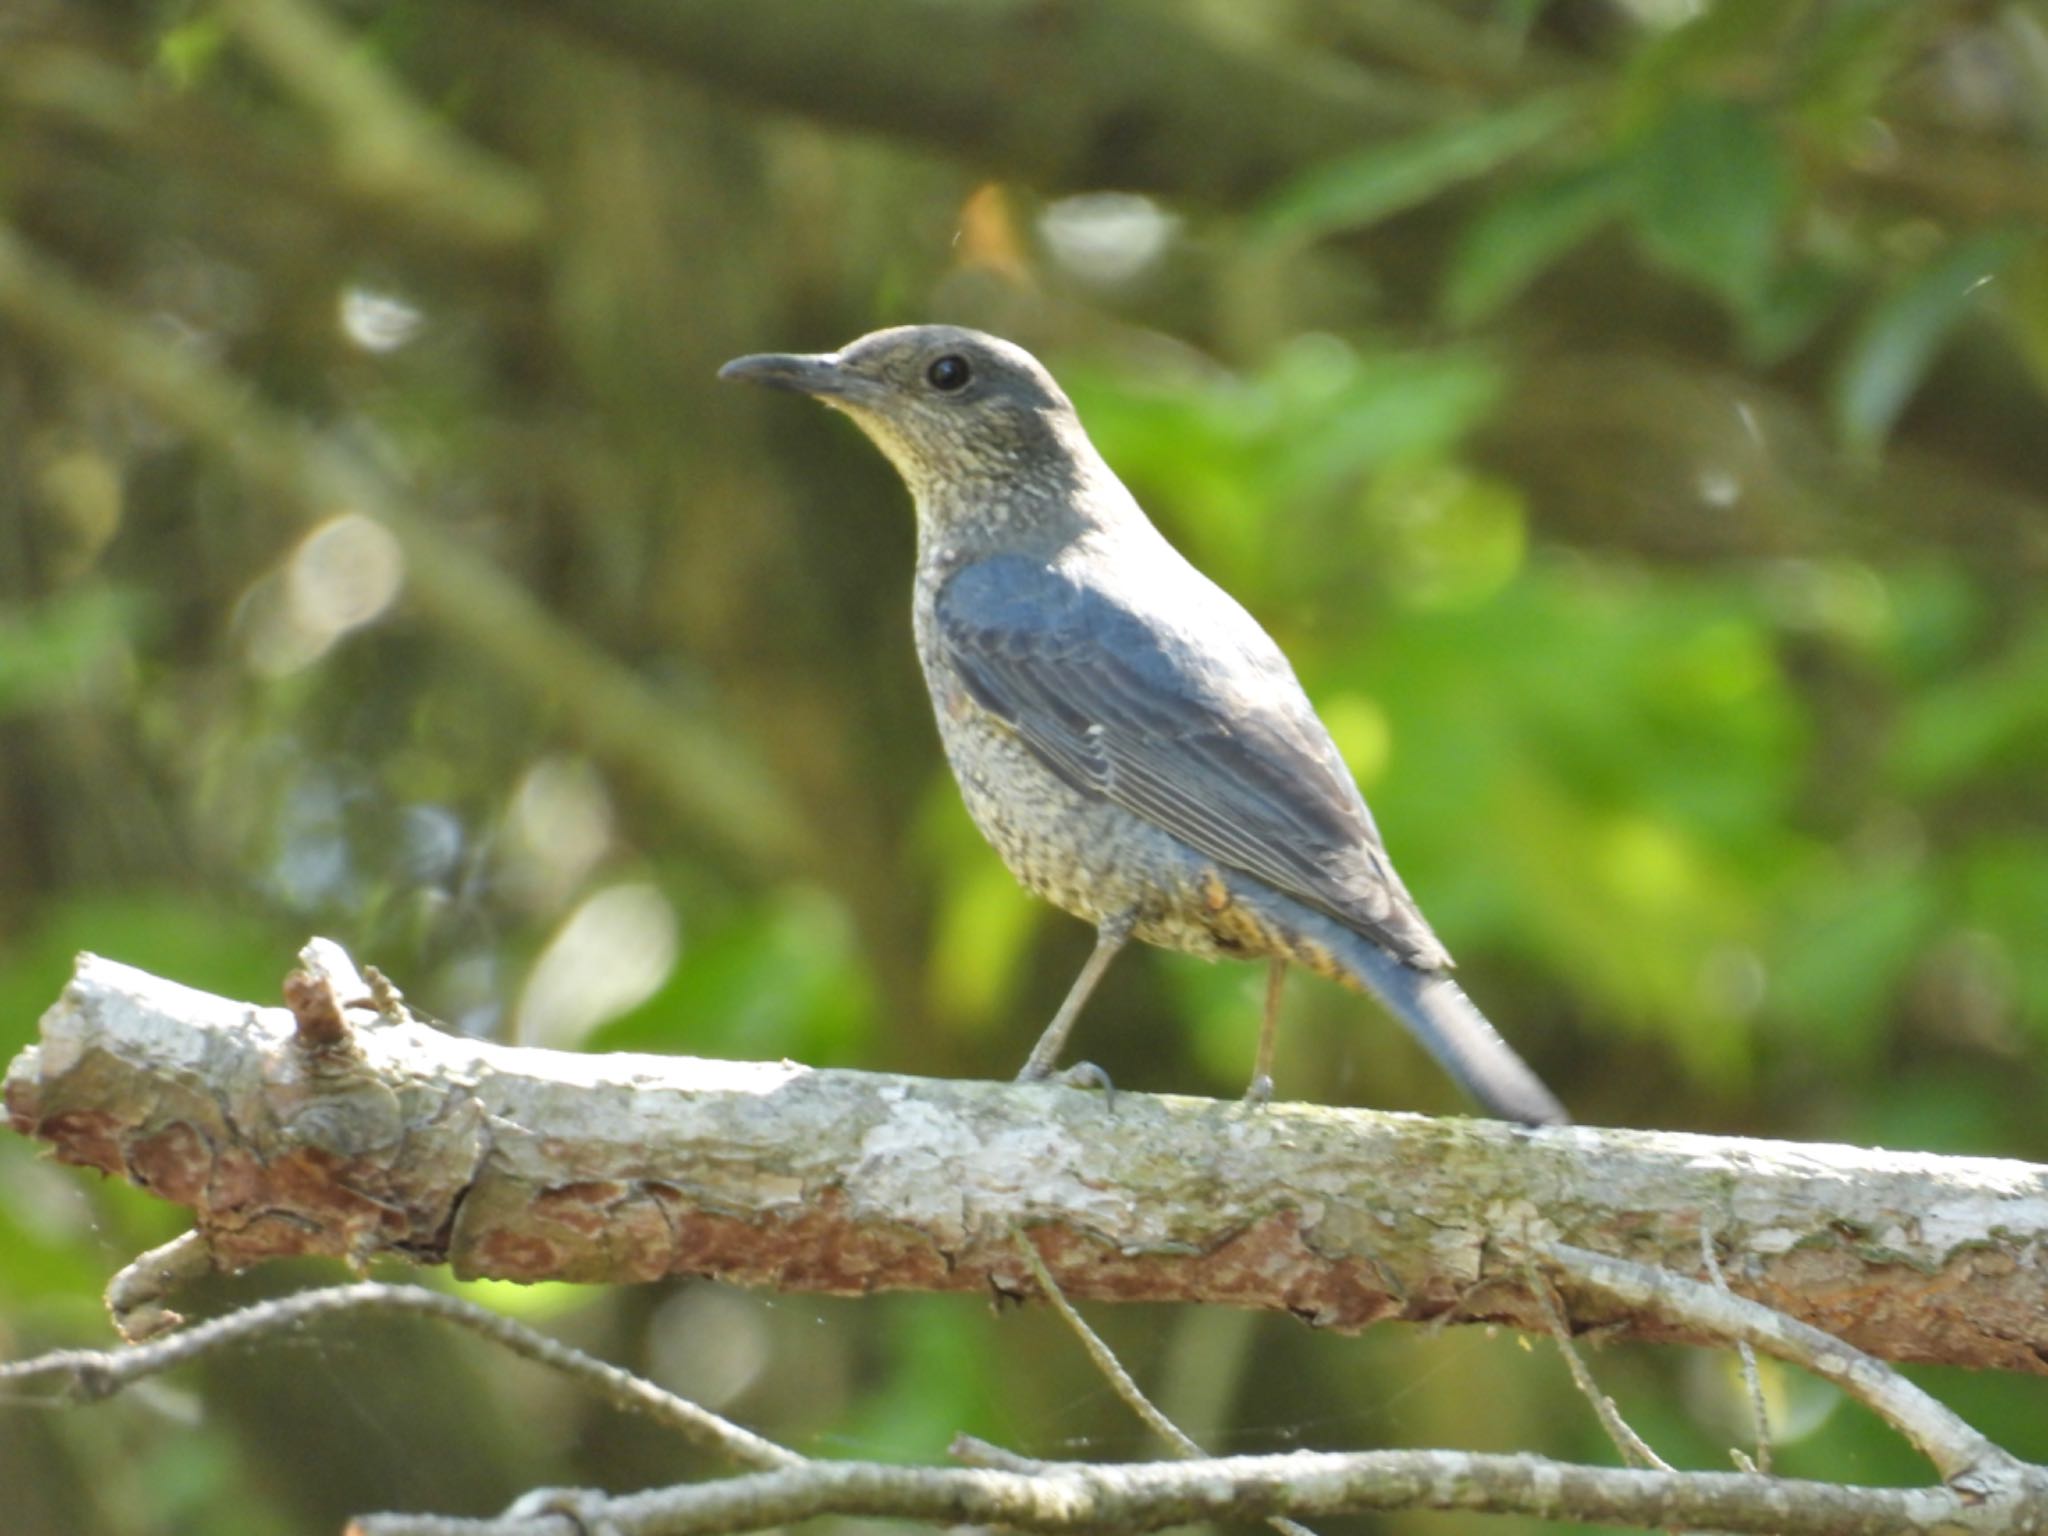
pixel 1204 733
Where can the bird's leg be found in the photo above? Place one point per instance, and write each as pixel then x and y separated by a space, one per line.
pixel 1261 1089
pixel 1110 936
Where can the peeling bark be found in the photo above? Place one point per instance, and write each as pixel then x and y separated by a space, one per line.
pixel 529 1165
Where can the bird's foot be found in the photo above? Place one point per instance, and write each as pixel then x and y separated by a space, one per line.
pixel 1082 1074
pixel 1260 1093
pixel 1085 1074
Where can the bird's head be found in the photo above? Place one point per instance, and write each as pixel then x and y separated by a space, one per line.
pixel 954 410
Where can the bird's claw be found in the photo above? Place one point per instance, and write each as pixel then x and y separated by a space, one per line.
pixel 1082 1074
pixel 1085 1074
pixel 1260 1093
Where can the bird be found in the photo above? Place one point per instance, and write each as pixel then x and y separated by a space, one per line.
pixel 1133 744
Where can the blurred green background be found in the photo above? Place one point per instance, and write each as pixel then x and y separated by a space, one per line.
pixel 1629 416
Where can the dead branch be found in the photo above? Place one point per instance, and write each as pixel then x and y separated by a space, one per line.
pixel 529 1165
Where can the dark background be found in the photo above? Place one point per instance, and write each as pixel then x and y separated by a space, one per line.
pixel 1629 417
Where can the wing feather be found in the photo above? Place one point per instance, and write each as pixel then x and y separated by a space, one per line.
pixel 1203 732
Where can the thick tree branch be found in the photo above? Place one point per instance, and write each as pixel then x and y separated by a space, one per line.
pixel 528 1164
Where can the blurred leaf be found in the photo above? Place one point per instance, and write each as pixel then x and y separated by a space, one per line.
pixel 1510 243
pixel 1853 49
pixel 1364 188
pixel 1520 16
pixel 1903 331
pixel 1706 48
pixel 1218 458
pixel 1937 613
pixel 1794 304
pixel 2026 307
pixel 60 649
pixel 1592 771
pixel 1989 719
pixel 1842 948
pixel 52 1236
pixel 204 942
pixel 783 978
pixel 186 52
pixel 983 933
pixel 934 1382
pixel 539 1302
pixel 2005 894
pixel 1458 537
pixel 1712 190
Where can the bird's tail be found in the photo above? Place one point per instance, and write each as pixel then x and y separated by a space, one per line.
pixel 1442 1018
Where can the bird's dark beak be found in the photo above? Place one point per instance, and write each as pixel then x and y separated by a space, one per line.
pixel 808 373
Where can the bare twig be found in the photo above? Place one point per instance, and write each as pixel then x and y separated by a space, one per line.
pixel 1102 1356
pixel 1635 1450
pixel 1759 1410
pixel 1119 1379
pixel 1300 1484
pixel 91 1374
pixel 1952 1445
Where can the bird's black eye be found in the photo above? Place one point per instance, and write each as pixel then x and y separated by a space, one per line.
pixel 948 373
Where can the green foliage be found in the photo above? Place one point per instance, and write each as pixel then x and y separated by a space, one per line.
pixel 66 649
pixel 1526 230
pixel 1375 183
pixel 1628 422
pixel 779 978
pixel 1712 189
pixel 1901 333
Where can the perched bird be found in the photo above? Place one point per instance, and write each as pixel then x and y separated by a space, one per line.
pixel 1128 738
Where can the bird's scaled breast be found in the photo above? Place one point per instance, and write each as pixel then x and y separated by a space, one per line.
pixel 1078 851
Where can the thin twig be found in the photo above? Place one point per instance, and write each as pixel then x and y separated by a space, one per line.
pixel 1634 1449
pixel 1952 1445
pixel 1759 1410
pixel 92 1374
pixel 1119 1379
pixel 1310 1484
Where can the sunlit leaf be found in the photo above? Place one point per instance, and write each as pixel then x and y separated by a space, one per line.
pixel 783 978
pixel 1457 537
pixel 983 933
pixel 62 648
pixel 1366 187
pixel 185 52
